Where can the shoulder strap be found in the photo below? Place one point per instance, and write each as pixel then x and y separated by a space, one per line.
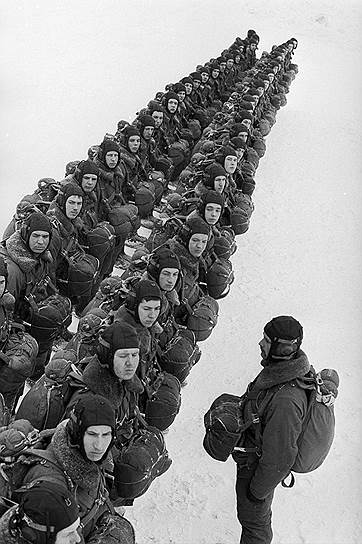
pixel 102 498
pixel 254 412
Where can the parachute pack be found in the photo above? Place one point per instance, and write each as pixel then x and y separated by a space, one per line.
pixel 143 459
pixel 45 403
pixel 230 416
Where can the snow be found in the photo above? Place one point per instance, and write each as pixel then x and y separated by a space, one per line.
pixel 73 70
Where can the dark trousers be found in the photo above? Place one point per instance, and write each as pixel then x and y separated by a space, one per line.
pixel 255 518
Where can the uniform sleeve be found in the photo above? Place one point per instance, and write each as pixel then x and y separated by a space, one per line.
pixel 283 425
pixel 16 281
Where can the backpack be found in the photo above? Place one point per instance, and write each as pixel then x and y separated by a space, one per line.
pixel 49 317
pixel 16 364
pixel 239 220
pixel 244 202
pixel 124 218
pixel 317 434
pixel 84 342
pixel 224 245
pixel 180 354
pixel 20 350
pixel 101 240
pixel 15 440
pixel 187 204
pixel 112 529
pixel 163 233
pixel 145 198
pixel 203 317
pixel 219 277
pixel 82 273
pixel 229 416
pixel 164 400
pixel 143 459
pixel 45 403
pixel 110 292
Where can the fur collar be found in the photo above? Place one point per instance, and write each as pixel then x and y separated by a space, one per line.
pixel 82 472
pixel 282 372
pixel 21 255
pixel 99 379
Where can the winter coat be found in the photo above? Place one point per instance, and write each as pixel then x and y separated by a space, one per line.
pixel 67 230
pixel 70 233
pixel 90 214
pixel 240 69
pixel 81 476
pixel 281 422
pixel 7 303
pixel 148 154
pixel 170 301
pixel 114 186
pixel 215 86
pixel 133 165
pixel 171 127
pixel 160 140
pixel 206 94
pixel 28 274
pixel 190 269
pixel 230 79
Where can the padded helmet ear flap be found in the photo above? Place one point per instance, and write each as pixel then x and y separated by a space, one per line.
pixel 24 232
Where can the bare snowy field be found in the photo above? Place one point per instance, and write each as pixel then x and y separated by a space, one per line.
pixel 73 69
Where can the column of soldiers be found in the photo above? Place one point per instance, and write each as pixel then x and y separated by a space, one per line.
pixel 99 402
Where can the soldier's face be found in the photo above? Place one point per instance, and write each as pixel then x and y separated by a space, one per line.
pixel 265 346
pixel 2 285
pixel 148 132
pixel 125 363
pixel 148 312
pixel 204 77
pixel 73 206
pixel 168 278
pixel 38 241
pixel 172 105
pixel 246 123
pixel 112 159
pixel 230 164
pixel 219 183
pixel 134 143
pixel 212 213
pixel 96 441
pixel 197 244
pixel 89 181
pixel 158 117
pixel 243 136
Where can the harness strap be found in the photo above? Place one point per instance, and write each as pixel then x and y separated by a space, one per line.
pixel 291 483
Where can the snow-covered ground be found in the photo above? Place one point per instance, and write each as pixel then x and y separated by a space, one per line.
pixel 72 71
